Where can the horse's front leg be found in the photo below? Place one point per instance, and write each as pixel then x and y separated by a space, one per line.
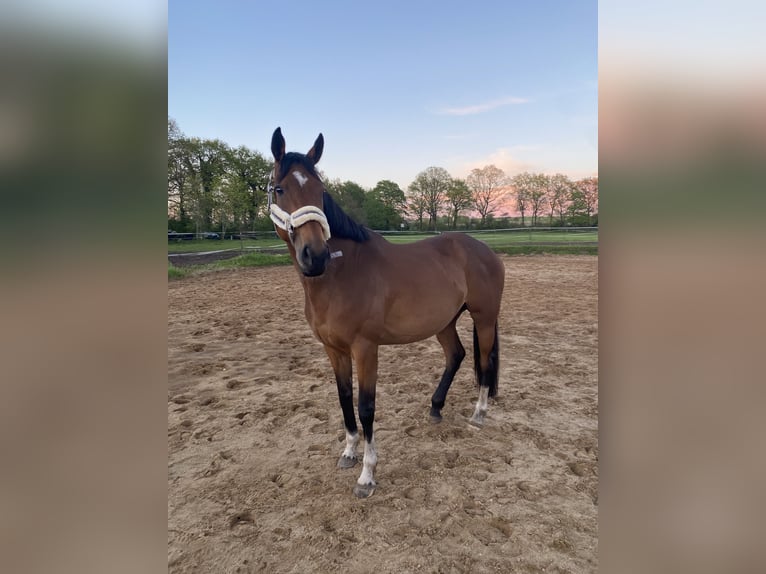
pixel 341 364
pixel 366 357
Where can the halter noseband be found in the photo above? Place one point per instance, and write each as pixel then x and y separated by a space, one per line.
pixel 291 221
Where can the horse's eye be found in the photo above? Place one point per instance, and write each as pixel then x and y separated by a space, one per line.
pixel 279 190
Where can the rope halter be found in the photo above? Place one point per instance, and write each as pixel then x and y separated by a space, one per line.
pixel 291 221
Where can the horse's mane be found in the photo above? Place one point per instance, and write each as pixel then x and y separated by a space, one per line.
pixel 341 225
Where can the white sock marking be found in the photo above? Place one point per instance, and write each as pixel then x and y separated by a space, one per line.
pixel 481 404
pixel 368 464
pixel 351 441
pixel 302 179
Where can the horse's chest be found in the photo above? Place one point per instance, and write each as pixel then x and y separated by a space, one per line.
pixel 331 326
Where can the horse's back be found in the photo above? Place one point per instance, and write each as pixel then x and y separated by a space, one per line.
pixel 481 270
pixel 477 257
pixel 484 272
pixel 454 249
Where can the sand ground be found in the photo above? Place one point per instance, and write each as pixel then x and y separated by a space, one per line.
pixel 255 430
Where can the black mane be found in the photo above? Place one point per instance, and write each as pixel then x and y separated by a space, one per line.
pixel 341 225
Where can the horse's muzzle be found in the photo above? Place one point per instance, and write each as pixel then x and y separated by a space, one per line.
pixel 313 263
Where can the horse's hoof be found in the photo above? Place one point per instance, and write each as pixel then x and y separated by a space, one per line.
pixel 364 490
pixel 477 420
pixel 436 415
pixel 347 461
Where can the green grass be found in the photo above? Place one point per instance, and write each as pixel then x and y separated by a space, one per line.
pixel 501 239
pixel 510 243
pixel 197 245
pixel 491 238
pixel 508 237
pixel 525 241
pixel 252 259
pixel 564 249
pixel 176 272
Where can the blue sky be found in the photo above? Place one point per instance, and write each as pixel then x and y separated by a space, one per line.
pixel 395 87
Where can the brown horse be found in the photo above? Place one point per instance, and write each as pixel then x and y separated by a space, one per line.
pixel 362 292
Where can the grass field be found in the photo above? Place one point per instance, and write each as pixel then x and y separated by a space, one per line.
pixel 199 245
pixel 511 237
pixel 511 242
pixel 491 238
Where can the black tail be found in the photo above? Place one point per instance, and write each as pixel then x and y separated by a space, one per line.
pixel 488 378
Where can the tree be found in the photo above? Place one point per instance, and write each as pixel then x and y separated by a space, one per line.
pixel 428 190
pixel 204 163
pixel 350 197
pixel 174 132
pixel 537 195
pixel 247 171
pixel 209 184
pixel 376 214
pixel 487 185
pixel 577 208
pixel 231 203
pixel 384 205
pixel 523 184
pixel 459 198
pixel 589 189
pixel 178 176
pixel 391 195
pixel 416 205
pixel 559 193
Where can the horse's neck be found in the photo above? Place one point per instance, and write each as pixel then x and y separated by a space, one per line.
pixel 358 255
pixel 345 268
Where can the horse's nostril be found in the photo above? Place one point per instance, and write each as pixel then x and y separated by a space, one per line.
pixel 306 254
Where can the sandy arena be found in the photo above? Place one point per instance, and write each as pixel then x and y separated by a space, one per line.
pixel 255 431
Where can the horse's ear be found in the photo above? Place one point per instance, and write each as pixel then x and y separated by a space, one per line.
pixel 278 145
pixel 316 152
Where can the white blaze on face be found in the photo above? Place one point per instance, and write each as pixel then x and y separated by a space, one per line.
pixel 302 179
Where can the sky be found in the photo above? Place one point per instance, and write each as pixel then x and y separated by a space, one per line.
pixel 395 87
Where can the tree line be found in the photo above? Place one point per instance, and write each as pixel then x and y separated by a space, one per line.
pixel 436 200
pixel 213 186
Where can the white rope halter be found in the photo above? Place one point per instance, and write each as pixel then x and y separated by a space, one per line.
pixel 291 221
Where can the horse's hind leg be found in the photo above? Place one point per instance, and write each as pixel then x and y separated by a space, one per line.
pixel 454 354
pixel 486 364
pixel 341 364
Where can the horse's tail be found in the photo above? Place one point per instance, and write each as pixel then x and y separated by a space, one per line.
pixel 491 375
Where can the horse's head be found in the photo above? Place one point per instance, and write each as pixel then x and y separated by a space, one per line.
pixel 297 212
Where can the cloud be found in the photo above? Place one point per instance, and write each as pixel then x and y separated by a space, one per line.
pixel 536 158
pixel 504 158
pixel 481 108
